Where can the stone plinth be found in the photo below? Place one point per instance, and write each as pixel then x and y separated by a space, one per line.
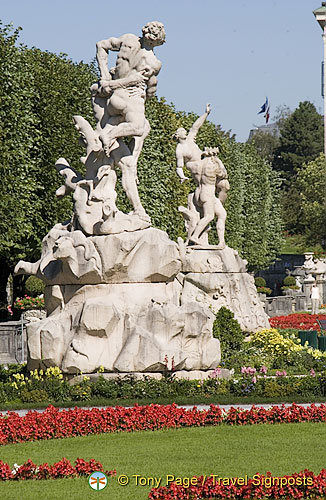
pixel 221 280
pixel 145 313
pixel 124 328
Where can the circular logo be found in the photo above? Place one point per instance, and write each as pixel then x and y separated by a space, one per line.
pixel 97 480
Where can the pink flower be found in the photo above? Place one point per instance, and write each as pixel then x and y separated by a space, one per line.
pixel 254 380
pixel 312 372
pixel 263 369
pixel 216 373
pixel 247 370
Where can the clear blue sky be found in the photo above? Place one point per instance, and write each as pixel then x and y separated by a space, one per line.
pixel 231 53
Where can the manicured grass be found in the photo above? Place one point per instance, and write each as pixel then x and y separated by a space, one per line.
pixel 180 400
pixel 223 450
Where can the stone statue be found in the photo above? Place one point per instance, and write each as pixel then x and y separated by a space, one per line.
pixel 126 86
pixel 210 176
pixel 119 293
pixel 119 107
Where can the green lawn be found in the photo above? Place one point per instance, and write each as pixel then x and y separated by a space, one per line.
pixel 223 450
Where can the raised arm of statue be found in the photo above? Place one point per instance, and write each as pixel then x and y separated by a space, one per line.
pixel 102 49
pixel 198 123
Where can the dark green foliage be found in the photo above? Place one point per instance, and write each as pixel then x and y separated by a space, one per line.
pixel 39 93
pixel 7 370
pixel 260 281
pixel 312 185
pixel 289 281
pixel 228 331
pixel 34 286
pixel 34 396
pixel 291 202
pixel 265 144
pixel 301 139
pixel 301 142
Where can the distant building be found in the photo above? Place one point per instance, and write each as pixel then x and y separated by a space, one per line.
pixel 270 128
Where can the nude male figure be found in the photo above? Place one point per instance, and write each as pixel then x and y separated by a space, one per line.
pixel 209 175
pixel 119 98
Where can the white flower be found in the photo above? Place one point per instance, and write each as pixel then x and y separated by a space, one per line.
pixel 15 469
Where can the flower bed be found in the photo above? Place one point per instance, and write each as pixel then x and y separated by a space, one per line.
pixel 298 321
pixel 302 485
pixel 53 423
pixel 61 469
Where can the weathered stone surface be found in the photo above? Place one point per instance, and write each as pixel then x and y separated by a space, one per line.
pixel 210 260
pixel 145 256
pixel 138 326
pixel 125 328
pixel 236 291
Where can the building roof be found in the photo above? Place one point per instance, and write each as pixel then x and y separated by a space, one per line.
pixel 270 128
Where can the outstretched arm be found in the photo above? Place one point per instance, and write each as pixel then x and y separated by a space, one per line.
pixel 199 122
pixel 102 49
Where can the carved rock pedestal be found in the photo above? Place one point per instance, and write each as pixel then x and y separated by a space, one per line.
pixel 217 278
pixel 114 301
pixel 137 302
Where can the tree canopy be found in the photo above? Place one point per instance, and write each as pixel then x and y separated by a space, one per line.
pixel 301 139
pixel 312 184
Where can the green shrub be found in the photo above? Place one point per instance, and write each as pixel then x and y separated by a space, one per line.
pixel 7 370
pixel 275 388
pixel 34 396
pixel 81 392
pixel 229 333
pixel 34 286
pixel 264 289
pixel 57 389
pixel 322 382
pixel 289 281
pixel 103 388
pixel 259 281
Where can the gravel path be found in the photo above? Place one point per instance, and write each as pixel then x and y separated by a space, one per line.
pixel 188 407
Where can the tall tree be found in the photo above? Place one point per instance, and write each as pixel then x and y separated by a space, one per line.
pixel 39 92
pixel 312 184
pixel 265 143
pixel 301 140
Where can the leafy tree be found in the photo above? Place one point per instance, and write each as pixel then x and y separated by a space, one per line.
pixel 265 144
pixel 227 329
pixel 312 182
pixel 39 92
pixel 291 202
pixel 282 112
pixel 301 139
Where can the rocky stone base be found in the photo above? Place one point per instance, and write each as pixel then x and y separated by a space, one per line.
pixel 136 302
pixel 123 327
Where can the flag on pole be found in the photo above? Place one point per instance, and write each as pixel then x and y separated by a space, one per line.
pixel 266 115
pixel 264 107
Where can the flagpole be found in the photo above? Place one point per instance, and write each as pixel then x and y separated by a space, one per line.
pixel 320 15
pixel 324 86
